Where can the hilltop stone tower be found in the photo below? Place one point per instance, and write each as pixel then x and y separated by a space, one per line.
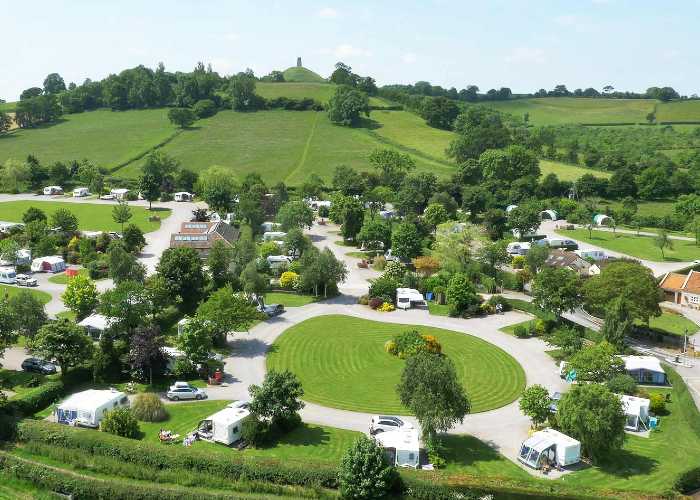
pixel 298 62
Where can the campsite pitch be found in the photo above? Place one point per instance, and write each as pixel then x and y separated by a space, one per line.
pixel 341 363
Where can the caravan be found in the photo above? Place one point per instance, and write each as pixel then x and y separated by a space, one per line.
pixel 408 297
pixel 48 264
pixel 8 275
pixel 402 446
pixel 53 190
pixel 80 192
pixel 183 196
pixel 87 408
pixel 549 447
pixel 224 426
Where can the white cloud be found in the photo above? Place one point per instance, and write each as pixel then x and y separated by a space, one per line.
pixel 346 50
pixel 232 37
pixel 409 58
pixel 222 65
pixel 327 13
pixel 526 55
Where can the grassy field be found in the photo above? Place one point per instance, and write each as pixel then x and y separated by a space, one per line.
pixel 561 110
pixel 567 172
pixel 296 74
pixel 91 216
pixel 341 363
pixel 19 381
pixel 296 90
pixel 641 247
pixel 280 145
pixel 11 488
pixel 673 323
pixel 9 291
pixel 678 111
pixel 183 418
pixel 289 299
pixel 411 131
pixel 62 278
pixel 645 208
pixel 108 138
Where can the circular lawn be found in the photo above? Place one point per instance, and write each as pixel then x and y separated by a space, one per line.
pixel 341 363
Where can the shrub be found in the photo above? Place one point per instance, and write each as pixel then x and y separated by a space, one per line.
pixel 384 286
pixel 98 269
pixel 657 404
pixel 379 263
pixel 323 211
pixel 386 307
pixel 257 432
pixel 495 300
pixel 184 369
pixel 622 384
pixel 365 471
pixel 375 302
pixel 521 332
pixel 149 408
pixel 518 262
pixel 204 108
pixel 411 342
pixel 288 279
pixel 394 269
pixel 120 422
pixel 432 344
pixel 363 300
pixel 688 481
pixel 391 347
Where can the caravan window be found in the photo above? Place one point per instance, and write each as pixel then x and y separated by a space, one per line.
pixel 403 300
pixel 235 430
pixel 124 400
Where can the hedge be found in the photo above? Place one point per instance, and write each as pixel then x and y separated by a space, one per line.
pixel 86 487
pixel 162 457
pixel 36 399
pixel 689 480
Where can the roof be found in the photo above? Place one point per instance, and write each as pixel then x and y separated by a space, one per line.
pixel 692 282
pixel 96 322
pixel 649 363
pixel 51 259
pixel 182 192
pixel 409 292
pixel 119 190
pixel 672 281
pixel 229 416
pixel 564 258
pixel 91 398
pixel 633 405
pixel 401 439
pixel 203 234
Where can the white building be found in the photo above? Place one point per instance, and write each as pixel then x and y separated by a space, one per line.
pixel 87 408
pixel 549 447
pixel 224 426
pixel 402 446
pixel 645 369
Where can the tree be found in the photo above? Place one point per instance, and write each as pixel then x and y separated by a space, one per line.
pixel 629 280
pixel 295 214
pixel 375 233
pixel 80 296
pixel 495 222
pixel 536 257
pixel 429 387
pixel 405 241
pixel 28 313
pixel 618 324
pixel 54 84
pixel 593 415
pixel 524 219
pixel 120 422
pixel 121 213
pixel 196 340
pixel 295 242
pixel 5 122
pixel 622 384
pixel 426 265
pixel 434 215
pixel 439 112
pixel 182 270
pixel 509 164
pixel 391 166
pixel 225 312
pixel 596 363
pixel 9 249
pixel 662 240
pixel 123 265
pixel 478 129
pixel 278 399
pixel 461 294
pixel 127 305
pixel 252 281
pixel 32 214
pixel 534 403
pixel 346 105
pixel 204 108
pixel 63 341
pixel 64 220
pixel 568 340
pixel 365 472
pixel 149 185
pixel 219 262
pixel 182 117
pixel 59 173
pixel 242 91
pixel 353 214
pixel 494 254
pixel 8 332
pixel 217 187
pixel 146 354
pixel 557 290
pixel 133 239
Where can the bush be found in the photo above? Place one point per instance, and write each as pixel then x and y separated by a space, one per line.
pixel 688 481
pixel 323 211
pixel 391 347
pixel 98 269
pixel 521 332
pixel 363 300
pixel 365 471
pixel 375 302
pixel 32 401
pixel 257 432
pixel 120 422
pixel 379 263
pixel 495 300
pixel 386 307
pixel 384 286
pixel 622 384
pixel 657 404
pixel 148 407
pixel 288 280
pixel 184 369
pixel 518 262
pixel 204 108
pixel 410 343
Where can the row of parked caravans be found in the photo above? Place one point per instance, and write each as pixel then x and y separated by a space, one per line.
pixel 114 194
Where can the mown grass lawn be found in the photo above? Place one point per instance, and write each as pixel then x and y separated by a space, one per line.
pixel 438 309
pixel 289 299
pixel 11 291
pixel 673 323
pixel 91 216
pixel 567 172
pixel 19 381
pixel 108 138
pixel 641 247
pixel 62 278
pixel 341 363
pixel 182 418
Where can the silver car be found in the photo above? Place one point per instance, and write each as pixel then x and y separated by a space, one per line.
pixel 181 391
pixel 26 280
pixel 384 423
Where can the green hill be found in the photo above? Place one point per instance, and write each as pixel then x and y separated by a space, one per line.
pixel 296 74
pixel 320 92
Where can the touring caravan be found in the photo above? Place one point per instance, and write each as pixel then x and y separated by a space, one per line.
pixel 518 248
pixel 409 297
pixel 274 235
pixel 53 190
pixel 636 412
pixel 402 446
pixel 183 196
pixel 48 264
pixel 277 261
pixel 8 275
pixel 549 447
pixel 88 407
pixel 80 192
pixel 224 426
pixel 119 193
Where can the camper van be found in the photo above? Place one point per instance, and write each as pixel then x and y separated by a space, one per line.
pixel 87 408
pixel 401 446
pixel 53 190
pixel 80 192
pixel 8 275
pixel 549 447
pixel 224 426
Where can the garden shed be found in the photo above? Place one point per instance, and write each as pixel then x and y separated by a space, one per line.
pixel 549 214
pixel 402 447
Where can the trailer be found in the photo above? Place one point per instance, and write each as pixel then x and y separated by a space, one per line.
pixel 8 275
pixel 87 408
pixel 53 190
pixel 48 264
pixel 224 426
pixel 549 447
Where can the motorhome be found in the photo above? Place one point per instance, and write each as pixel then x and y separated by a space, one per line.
pixel 407 298
pixel 549 448
pixel 224 426
pixel 8 275
pixel 87 408
pixel 80 192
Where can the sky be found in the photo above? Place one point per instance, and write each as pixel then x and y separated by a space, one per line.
pixel 525 45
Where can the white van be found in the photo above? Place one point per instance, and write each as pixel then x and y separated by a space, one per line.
pixel 518 248
pixel 8 275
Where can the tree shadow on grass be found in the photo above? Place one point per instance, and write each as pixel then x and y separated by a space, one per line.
pixel 368 124
pixel 625 464
pixel 466 450
pixel 304 436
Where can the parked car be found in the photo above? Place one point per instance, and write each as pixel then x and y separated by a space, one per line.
pixel 243 404
pixel 271 310
pixel 38 366
pixel 26 280
pixel 384 423
pixel 183 390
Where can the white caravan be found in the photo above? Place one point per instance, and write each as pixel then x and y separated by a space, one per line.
pixel 80 192
pixel 87 408
pixel 549 447
pixel 409 297
pixel 402 446
pixel 224 426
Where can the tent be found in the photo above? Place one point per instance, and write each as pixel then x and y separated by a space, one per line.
pixel 96 324
pixel 602 220
pixel 549 446
pixel 402 446
pixel 549 214
pixel 224 426
pixel 408 297
pixel 636 411
pixel 88 407
pixel 48 264
pixel 644 369
pixel 510 208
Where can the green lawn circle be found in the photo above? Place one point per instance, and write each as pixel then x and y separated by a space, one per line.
pixel 341 363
